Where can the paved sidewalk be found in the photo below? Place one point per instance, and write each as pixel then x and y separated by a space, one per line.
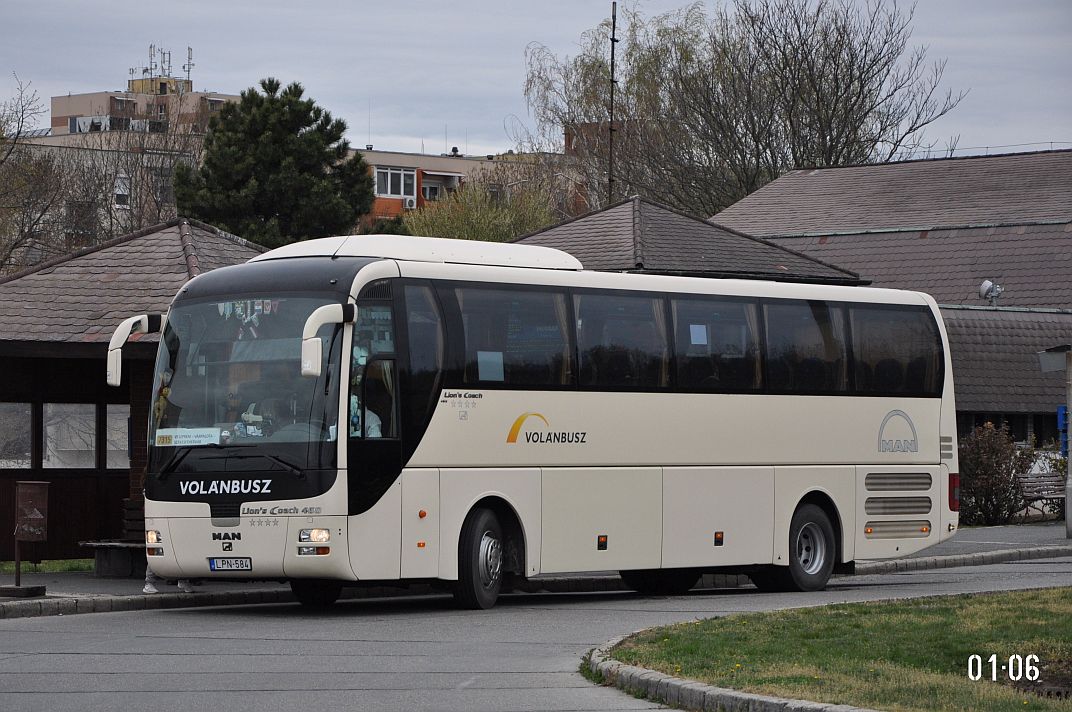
pixel 69 593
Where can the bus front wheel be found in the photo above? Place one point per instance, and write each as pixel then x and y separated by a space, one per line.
pixel 316 594
pixel 480 561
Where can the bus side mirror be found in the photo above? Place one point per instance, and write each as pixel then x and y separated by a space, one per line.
pixel 143 323
pixel 312 355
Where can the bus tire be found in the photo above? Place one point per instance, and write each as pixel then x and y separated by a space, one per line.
pixel 480 561
pixel 812 550
pixel 660 582
pixel 313 593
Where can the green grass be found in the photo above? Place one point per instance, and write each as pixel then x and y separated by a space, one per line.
pixel 51 567
pixel 902 655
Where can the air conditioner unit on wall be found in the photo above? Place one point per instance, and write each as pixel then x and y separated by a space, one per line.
pixel 409 203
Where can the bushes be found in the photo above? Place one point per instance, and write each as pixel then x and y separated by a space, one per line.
pixel 989 460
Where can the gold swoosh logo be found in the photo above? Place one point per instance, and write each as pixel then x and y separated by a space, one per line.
pixel 516 428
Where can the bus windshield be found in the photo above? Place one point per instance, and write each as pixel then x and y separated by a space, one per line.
pixel 228 374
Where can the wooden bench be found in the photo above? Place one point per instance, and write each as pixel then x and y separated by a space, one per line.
pixel 117 558
pixel 1041 488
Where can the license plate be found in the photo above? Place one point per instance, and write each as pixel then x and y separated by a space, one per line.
pixel 230 564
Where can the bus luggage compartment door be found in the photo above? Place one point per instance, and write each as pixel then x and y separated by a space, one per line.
pixel 581 505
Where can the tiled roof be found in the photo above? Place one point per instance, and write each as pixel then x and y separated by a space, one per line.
pixel 83 296
pixel 995 361
pixel 1019 188
pixel 1032 262
pixel 640 235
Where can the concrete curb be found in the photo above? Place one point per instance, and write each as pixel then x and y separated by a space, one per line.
pixel 980 559
pixel 689 694
pixel 74 604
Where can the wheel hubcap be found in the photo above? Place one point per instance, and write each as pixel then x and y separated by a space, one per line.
pixel 490 560
pixel 811 548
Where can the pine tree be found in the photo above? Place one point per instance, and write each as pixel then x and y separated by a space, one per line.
pixel 276 170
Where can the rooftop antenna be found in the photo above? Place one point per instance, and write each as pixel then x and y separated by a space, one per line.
pixel 990 291
pixel 370 120
pixel 152 60
pixel 165 62
pixel 613 82
pixel 189 62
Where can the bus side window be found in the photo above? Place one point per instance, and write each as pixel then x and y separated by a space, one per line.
pixel 806 348
pixel 373 390
pixel 381 400
pixel 622 341
pixel 897 350
pixel 717 344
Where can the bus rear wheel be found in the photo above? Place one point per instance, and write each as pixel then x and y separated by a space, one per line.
pixel 660 582
pixel 812 550
pixel 312 593
pixel 480 561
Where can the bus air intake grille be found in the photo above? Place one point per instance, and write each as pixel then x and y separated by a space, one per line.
pixel 228 510
pixel 897 481
pixel 376 290
pixel 918 529
pixel 898 505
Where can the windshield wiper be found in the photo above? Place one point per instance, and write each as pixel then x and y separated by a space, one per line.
pixel 177 460
pixel 292 469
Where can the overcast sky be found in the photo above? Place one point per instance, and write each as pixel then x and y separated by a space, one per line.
pixel 458 67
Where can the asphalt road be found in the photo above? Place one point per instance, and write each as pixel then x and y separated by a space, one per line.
pixel 393 654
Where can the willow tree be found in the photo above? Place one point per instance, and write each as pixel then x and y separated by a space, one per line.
pixel 710 106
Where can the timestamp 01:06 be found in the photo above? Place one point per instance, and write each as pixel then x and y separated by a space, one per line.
pixel 1015 668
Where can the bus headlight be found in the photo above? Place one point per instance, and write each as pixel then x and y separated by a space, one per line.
pixel 316 535
pixel 153 537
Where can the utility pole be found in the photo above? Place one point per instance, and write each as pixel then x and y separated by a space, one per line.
pixel 613 82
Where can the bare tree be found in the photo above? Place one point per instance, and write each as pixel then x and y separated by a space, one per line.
pixel 711 107
pixel 26 180
pixel 66 192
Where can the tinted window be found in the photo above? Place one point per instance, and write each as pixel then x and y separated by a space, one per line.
pixel 897 350
pixel 515 336
pixel 372 384
pixel 717 344
pixel 622 341
pixel 425 331
pixel 806 347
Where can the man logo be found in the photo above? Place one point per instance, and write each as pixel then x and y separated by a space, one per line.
pixel 228 546
pixel 897 433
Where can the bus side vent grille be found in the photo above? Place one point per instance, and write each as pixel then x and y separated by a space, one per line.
pixel 919 529
pixel 898 505
pixel 226 510
pixel 897 481
pixel 376 290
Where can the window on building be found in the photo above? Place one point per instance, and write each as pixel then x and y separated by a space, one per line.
pixel 717 344
pixel 396 182
pixel 430 192
pixel 117 424
pixel 515 336
pixel 806 350
pixel 16 435
pixel 70 436
pixel 122 191
pixel 622 341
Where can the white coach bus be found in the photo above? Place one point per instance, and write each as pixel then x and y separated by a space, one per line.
pixel 381 408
